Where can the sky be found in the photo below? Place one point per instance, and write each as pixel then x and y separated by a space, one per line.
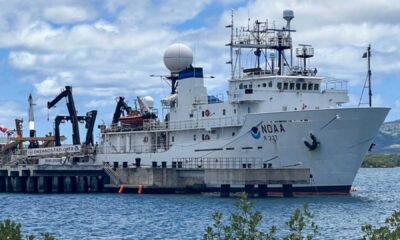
pixel 105 49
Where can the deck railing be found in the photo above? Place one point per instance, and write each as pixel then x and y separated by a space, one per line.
pixel 221 162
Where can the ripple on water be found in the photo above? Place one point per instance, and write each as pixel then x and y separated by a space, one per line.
pixel 131 216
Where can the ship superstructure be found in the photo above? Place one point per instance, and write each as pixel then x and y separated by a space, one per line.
pixel 275 115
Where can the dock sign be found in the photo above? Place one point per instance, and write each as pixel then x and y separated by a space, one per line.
pixel 53 150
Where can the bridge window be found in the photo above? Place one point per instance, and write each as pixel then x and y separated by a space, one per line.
pixel 316 87
pixel 279 85
pixel 298 86
pixel 304 86
pixel 291 86
pixel 310 86
pixel 285 85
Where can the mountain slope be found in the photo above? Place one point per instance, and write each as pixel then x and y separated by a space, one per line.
pixel 388 138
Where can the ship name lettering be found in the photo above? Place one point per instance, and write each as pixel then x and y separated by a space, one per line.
pixel 272 128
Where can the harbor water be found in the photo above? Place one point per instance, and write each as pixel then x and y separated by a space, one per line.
pixel 133 216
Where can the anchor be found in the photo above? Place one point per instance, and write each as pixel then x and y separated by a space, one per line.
pixel 312 146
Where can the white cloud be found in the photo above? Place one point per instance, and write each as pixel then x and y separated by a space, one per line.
pixel 22 59
pixel 66 14
pixel 103 56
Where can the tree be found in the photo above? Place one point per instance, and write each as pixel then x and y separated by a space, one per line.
pixel 10 230
pixel 391 231
pixel 243 225
pixel 301 225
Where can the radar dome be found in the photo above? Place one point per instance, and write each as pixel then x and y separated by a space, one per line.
pixel 149 101
pixel 178 57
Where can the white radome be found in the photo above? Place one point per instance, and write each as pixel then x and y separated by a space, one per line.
pixel 149 101
pixel 178 57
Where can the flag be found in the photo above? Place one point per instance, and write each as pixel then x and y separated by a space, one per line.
pixel 365 55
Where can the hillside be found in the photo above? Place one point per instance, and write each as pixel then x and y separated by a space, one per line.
pixel 388 138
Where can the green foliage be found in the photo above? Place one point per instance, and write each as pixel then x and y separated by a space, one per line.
pixel 301 225
pixel 373 160
pixel 391 231
pixel 10 230
pixel 243 225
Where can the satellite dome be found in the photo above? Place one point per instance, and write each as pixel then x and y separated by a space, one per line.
pixel 149 101
pixel 178 57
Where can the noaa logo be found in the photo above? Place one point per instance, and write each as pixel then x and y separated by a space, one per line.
pixel 255 133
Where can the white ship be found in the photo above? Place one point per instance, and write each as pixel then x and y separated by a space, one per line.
pixel 276 114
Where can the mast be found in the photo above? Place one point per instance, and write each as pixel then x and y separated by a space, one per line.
pixel 231 46
pixel 369 75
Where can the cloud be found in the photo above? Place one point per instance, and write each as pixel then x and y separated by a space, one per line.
pixel 108 49
pixel 66 14
pixel 22 59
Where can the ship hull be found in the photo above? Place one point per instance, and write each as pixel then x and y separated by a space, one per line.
pixel 343 137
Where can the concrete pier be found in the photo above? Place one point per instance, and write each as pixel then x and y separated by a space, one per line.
pixel 31 185
pixel 158 179
pixel 82 184
pixel 225 181
pixel 2 184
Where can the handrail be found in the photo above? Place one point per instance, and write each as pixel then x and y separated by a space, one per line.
pixel 114 176
pixel 222 162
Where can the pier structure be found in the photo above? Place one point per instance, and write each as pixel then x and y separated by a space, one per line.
pixel 185 177
pixel 52 179
pixel 182 177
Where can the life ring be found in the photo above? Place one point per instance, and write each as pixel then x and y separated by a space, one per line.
pixel 207 112
pixel 145 139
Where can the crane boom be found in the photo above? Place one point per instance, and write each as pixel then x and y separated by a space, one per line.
pixel 67 93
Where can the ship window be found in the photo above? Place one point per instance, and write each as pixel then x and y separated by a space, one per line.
pixel 245 86
pixel 250 85
pixel 194 137
pixel 279 85
pixel 298 86
pixel 202 113
pixel 191 115
pixel 270 84
pixel 291 87
pixel 258 85
pixel 285 85
pixel 233 134
pixel 310 86
pixel 241 86
pixel 223 112
pixel 264 85
pixel 234 111
pixel 248 109
pixel 316 87
pixel 304 86
pixel 172 138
